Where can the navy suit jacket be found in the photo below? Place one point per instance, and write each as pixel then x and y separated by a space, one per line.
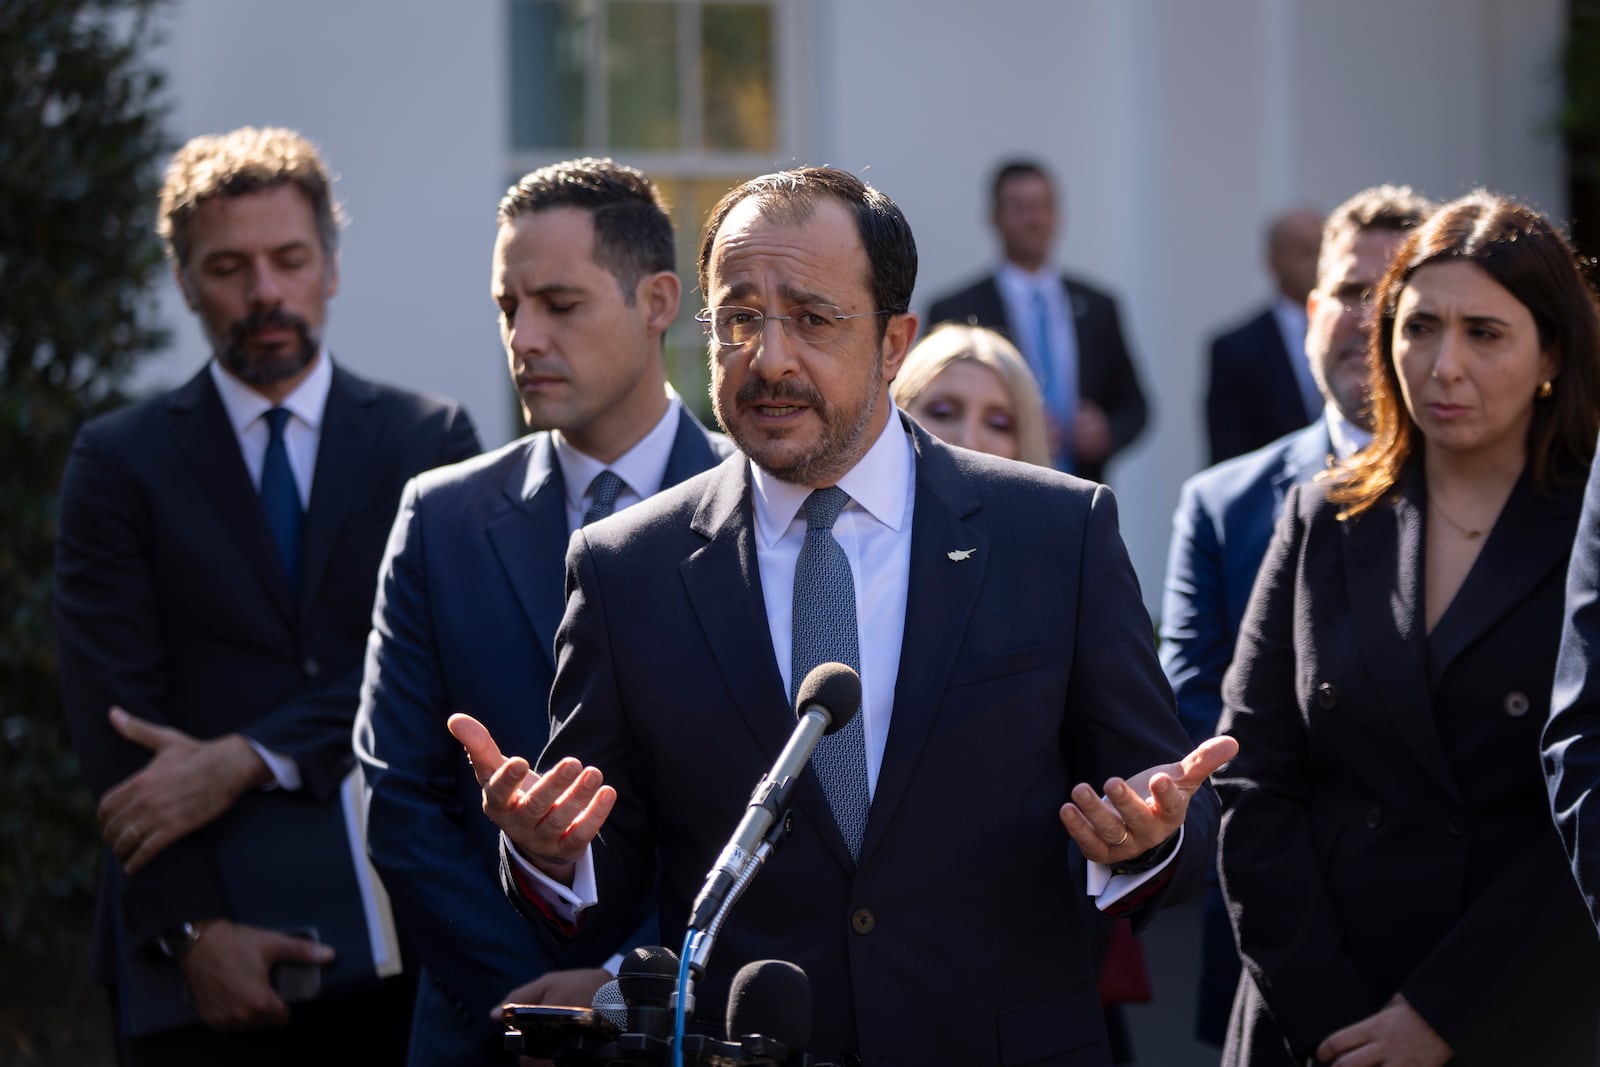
pixel 1026 667
pixel 1220 533
pixel 1572 738
pixel 171 600
pixel 1254 396
pixel 1105 370
pixel 1386 827
pixel 469 598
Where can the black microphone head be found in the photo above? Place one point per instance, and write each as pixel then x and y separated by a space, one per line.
pixel 608 1003
pixel 833 687
pixel 648 975
pixel 771 998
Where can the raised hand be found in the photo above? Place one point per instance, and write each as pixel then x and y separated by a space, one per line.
pixel 551 818
pixel 1139 813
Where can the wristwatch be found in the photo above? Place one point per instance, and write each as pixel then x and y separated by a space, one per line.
pixel 177 942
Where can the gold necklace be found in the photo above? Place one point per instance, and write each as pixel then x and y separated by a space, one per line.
pixel 1469 534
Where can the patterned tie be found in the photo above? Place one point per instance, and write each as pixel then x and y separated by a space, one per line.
pixel 603 493
pixel 825 632
pixel 280 497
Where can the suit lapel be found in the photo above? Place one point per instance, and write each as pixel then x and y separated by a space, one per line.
pixel 1532 537
pixel 940 599
pixel 344 452
pixel 206 440
pixel 723 580
pixel 530 539
pixel 1383 571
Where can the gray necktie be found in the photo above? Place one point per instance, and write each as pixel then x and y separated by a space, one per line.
pixel 603 493
pixel 825 632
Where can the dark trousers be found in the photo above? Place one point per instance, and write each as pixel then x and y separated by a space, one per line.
pixel 369 1027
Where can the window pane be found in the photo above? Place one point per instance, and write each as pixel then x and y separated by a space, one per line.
pixel 736 76
pixel 642 75
pixel 547 60
pixel 691 200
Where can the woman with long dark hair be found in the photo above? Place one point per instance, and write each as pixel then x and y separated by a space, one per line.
pixel 1397 889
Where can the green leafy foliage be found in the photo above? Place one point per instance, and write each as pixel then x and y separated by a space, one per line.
pixel 79 175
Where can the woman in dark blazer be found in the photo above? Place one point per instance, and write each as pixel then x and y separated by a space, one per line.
pixel 1398 893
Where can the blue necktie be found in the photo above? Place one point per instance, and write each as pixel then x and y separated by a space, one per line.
pixel 280 498
pixel 603 493
pixel 825 632
pixel 1044 356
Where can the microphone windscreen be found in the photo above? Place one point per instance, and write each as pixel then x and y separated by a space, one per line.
pixel 648 975
pixel 771 998
pixel 832 686
pixel 609 1004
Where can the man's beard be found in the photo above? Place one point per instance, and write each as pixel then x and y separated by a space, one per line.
pixel 843 438
pixel 270 367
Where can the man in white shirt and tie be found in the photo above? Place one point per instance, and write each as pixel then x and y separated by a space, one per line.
pixel 1006 662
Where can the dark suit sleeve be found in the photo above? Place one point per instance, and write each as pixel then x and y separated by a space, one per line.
pixel 588 722
pixel 445 896
pixel 1227 419
pixel 1294 953
pixel 314 728
pixel 1572 736
pixel 1123 399
pixel 1196 640
pixel 1120 705
pixel 112 651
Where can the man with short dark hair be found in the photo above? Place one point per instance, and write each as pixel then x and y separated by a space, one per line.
pixel 1261 386
pixel 1006 660
pixel 1069 331
pixel 470 592
pixel 215 568
pixel 1226 514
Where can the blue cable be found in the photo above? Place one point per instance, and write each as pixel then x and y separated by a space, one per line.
pixel 683 989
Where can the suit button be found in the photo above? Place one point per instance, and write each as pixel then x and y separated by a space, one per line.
pixel 1327 695
pixel 1374 817
pixel 311 667
pixel 863 921
pixel 1516 704
pixel 1457 825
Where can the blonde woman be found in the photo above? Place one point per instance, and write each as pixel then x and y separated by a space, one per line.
pixel 969 386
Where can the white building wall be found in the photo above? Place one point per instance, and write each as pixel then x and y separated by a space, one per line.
pixel 1177 128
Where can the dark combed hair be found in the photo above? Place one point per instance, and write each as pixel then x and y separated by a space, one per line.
pixel 632 232
pixel 1393 208
pixel 1016 168
pixel 1525 255
pixel 791 196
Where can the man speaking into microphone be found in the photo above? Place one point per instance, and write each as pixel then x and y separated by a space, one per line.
pixel 1008 670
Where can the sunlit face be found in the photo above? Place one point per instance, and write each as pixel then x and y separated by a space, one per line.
pixel 1025 215
pixel 967 404
pixel 803 413
pixel 1339 318
pixel 583 359
pixel 259 281
pixel 1469 359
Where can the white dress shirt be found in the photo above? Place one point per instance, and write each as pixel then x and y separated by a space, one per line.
pixel 1019 291
pixel 642 468
pixel 874 529
pixel 1291 321
pixel 302 433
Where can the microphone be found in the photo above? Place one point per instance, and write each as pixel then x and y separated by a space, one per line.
pixel 769 1011
pixel 646 981
pixel 826 700
pixel 609 1005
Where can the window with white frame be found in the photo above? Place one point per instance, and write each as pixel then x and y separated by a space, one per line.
pixel 693 92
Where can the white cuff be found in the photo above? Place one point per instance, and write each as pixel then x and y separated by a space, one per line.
pixel 568 904
pixel 285 771
pixel 1107 888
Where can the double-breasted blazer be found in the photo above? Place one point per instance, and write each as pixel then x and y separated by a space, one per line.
pixel 1385 826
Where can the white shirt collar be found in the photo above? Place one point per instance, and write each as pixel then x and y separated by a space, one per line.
pixel 879 484
pixel 1346 437
pixel 307 403
pixel 1024 280
pixel 641 468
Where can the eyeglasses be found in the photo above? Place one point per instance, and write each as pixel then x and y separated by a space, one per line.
pixel 1356 301
pixel 811 324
